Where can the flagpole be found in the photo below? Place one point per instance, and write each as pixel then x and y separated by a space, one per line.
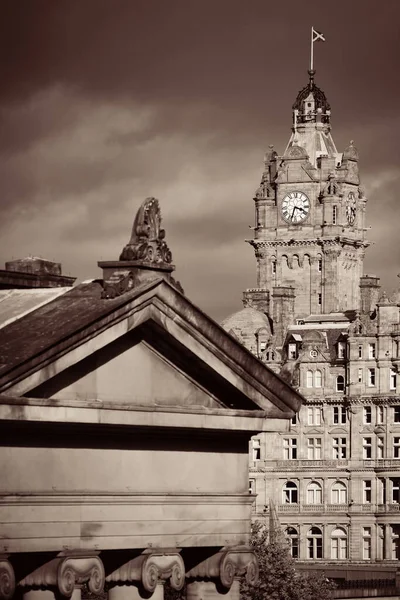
pixel 312 50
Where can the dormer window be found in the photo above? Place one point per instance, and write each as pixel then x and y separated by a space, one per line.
pixel 341 350
pixel 292 351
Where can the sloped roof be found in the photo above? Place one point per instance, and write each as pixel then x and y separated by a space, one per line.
pixel 36 340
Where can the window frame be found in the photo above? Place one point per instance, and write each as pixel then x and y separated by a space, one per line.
pixel 340 385
pixel 314 448
pixel 290 447
pixel 290 492
pixel 339 415
pixel 339 488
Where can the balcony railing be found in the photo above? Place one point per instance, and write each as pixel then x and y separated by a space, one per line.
pixel 335 508
pixel 313 463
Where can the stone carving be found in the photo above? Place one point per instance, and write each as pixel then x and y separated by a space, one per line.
pixel 7 579
pixel 67 572
pixel 148 569
pixel 147 242
pixel 118 283
pixel 332 187
pixel 226 565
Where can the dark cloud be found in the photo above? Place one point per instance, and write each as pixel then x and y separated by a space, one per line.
pixel 104 103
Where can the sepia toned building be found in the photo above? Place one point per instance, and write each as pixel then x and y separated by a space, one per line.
pixel 328 329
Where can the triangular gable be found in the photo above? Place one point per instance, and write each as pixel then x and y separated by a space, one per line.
pixel 200 355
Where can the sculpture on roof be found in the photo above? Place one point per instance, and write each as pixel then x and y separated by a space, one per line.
pixel 147 239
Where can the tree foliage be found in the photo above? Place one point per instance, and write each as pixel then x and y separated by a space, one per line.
pixel 279 579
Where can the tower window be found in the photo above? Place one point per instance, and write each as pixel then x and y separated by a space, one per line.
pixel 320 299
pixel 360 351
pixel 334 214
pixel 340 383
pixel 360 375
pixel 320 265
pixel 274 267
pixel 292 351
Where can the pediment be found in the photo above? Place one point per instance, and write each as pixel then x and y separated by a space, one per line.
pixel 151 347
pixel 338 430
pixel 314 430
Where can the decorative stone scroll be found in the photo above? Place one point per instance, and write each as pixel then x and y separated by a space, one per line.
pixel 66 572
pixel 149 569
pixel 226 565
pixel 7 579
pixel 118 283
pixel 147 242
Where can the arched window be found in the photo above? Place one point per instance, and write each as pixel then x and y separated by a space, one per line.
pixel 318 379
pixel 314 543
pixel 292 537
pixel 310 379
pixel 339 544
pixel 339 493
pixel 314 493
pixel 290 493
pixel 340 383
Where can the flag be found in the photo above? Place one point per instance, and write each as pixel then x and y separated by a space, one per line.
pixel 317 36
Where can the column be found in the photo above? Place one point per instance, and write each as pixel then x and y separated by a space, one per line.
pixel 7 578
pixel 388 542
pixel 218 576
pixel 65 575
pixel 145 575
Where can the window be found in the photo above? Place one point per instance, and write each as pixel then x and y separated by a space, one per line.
pixel 367 544
pixel 341 349
pixel 252 486
pixel 314 446
pixel 393 379
pixel 292 537
pixel 360 375
pixel 367 493
pixel 380 414
pixel 380 447
pixel 339 493
pixel 360 351
pixel 314 415
pixel 340 383
pixel 371 350
pixel 371 377
pixel 339 414
pixel 339 447
pixel 396 447
pixel 256 449
pixel 290 448
pixel 314 493
pixel 395 491
pixel 320 299
pixel 367 447
pixel 318 378
pixel 367 414
pixel 274 267
pixel 339 544
pixel 310 379
pixel 320 265
pixel 292 351
pixel 295 420
pixel 314 543
pixel 290 494
pixel 396 414
pixel 334 214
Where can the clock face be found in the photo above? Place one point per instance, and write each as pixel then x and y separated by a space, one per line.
pixel 351 208
pixel 295 207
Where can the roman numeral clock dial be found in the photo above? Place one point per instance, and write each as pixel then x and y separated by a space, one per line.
pixel 295 207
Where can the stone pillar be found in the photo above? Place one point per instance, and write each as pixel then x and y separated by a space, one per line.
pixel 65 575
pixel 218 576
pixel 283 299
pixel 388 542
pixel 7 578
pixel 146 574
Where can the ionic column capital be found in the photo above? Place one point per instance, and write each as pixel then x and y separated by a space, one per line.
pixel 66 572
pixel 7 579
pixel 151 568
pixel 226 565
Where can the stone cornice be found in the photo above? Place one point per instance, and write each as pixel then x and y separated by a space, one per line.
pixel 323 243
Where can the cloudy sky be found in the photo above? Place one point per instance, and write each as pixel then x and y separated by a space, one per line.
pixel 105 102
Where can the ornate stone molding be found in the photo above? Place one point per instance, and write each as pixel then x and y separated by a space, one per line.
pixel 226 565
pixel 7 579
pixel 65 572
pixel 149 569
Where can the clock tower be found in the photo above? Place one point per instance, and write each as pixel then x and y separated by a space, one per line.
pixel 309 234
